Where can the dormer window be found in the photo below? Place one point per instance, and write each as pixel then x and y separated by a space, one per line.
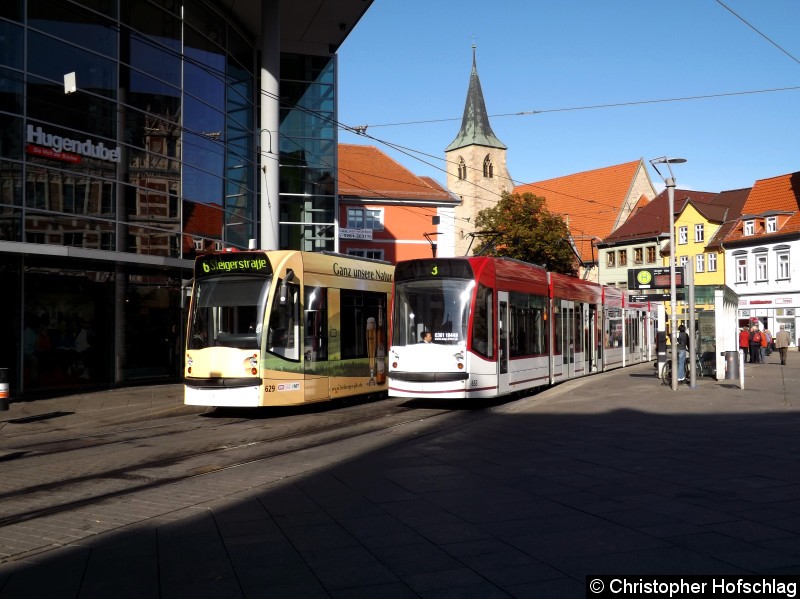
pixel 488 167
pixel 749 227
pixel 462 169
pixel 772 224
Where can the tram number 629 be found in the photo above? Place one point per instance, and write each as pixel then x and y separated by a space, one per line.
pixel 269 388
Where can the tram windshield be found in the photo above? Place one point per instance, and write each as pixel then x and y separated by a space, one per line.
pixel 439 306
pixel 228 311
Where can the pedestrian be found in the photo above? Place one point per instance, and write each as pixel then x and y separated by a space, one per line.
pixel 782 343
pixel 682 343
pixel 755 345
pixel 744 342
pixel 770 341
pixel 763 350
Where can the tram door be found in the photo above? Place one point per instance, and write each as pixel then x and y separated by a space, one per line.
pixel 502 342
pixel 590 338
pixel 568 321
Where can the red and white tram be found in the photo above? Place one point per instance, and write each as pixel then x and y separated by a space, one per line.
pixel 500 326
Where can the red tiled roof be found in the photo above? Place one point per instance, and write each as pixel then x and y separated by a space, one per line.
pixel 433 183
pixel 366 172
pixel 780 195
pixel 591 200
pixel 776 193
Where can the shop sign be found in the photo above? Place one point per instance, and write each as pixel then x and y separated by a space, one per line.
pixel 65 149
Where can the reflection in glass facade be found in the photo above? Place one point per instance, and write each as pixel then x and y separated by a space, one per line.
pixel 308 152
pixel 109 192
pixel 152 157
pixel 176 128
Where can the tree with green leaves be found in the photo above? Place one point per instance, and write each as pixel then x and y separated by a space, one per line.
pixel 520 226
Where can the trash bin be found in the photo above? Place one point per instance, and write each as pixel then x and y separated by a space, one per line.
pixel 731 365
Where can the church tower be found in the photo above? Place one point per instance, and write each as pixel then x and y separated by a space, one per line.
pixel 476 165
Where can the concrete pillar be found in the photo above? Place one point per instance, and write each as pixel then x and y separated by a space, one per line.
pixel 270 123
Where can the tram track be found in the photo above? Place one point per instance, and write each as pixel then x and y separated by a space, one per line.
pixel 211 420
pixel 68 495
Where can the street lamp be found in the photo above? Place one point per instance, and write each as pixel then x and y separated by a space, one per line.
pixel 670 183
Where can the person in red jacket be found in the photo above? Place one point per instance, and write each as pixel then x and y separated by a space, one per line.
pixel 744 342
pixel 755 344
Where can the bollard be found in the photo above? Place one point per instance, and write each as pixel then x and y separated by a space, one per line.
pixel 3 389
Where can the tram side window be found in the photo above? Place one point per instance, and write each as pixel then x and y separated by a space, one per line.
pixel 284 323
pixel 356 308
pixel 315 347
pixel 482 330
pixel 527 331
pixel 613 329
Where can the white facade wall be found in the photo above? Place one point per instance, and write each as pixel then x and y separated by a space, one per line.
pixel 771 299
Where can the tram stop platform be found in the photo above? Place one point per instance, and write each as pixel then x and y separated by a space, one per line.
pixel 614 473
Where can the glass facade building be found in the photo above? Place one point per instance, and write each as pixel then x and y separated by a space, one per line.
pixel 129 144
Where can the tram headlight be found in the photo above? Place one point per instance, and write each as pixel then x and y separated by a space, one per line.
pixel 253 364
pixel 460 357
pixel 189 363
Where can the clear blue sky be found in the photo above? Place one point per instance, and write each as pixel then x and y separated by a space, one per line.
pixel 410 60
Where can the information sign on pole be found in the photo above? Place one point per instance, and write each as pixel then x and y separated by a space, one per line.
pixel 653 278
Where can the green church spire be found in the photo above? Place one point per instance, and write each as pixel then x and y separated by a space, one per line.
pixel 475 127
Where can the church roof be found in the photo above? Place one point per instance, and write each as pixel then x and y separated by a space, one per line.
pixel 475 127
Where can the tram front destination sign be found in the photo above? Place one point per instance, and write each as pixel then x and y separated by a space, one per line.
pixel 653 278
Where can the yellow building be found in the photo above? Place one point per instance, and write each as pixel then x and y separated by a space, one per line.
pixel 700 227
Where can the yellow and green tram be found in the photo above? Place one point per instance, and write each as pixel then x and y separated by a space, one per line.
pixel 277 328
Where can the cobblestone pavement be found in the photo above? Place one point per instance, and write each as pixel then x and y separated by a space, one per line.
pixel 610 474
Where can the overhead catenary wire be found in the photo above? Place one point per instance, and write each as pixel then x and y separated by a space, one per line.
pixel 226 81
